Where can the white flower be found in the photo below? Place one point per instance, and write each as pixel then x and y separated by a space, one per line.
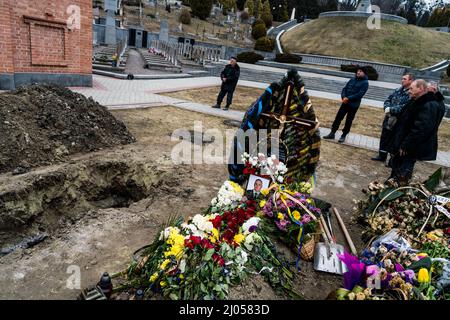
pixel 250 240
pixel 166 232
pixel 190 227
pixel 182 266
pixel 244 257
pixel 253 221
pixel 280 179
pixel 202 223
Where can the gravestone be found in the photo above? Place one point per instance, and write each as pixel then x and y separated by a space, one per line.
pixel 293 14
pixel 110 31
pixel 164 31
pixel 364 6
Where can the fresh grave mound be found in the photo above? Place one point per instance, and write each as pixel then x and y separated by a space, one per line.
pixel 43 124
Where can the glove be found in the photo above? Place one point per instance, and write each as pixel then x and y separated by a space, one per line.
pixel 387 110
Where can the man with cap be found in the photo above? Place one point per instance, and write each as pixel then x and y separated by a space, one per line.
pixel 351 96
pixel 230 78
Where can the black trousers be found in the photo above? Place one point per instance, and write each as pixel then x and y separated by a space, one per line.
pixel 343 111
pixel 222 93
pixel 385 138
pixel 402 167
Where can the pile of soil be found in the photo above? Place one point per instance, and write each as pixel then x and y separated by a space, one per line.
pixel 43 124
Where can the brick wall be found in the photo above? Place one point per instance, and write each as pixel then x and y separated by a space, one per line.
pixel 35 38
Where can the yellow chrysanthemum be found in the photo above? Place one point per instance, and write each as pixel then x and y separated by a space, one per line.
pixel 154 277
pixel 239 238
pixel 280 216
pixel 309 201
pixel 181 276
pixel 262 203
pixel 164 264
pixel 423 276
pixel 237 188
pixel 296 215
pixel 163 284
pixel 265 192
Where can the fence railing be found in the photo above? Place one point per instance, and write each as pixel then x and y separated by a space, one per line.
pixel 175 52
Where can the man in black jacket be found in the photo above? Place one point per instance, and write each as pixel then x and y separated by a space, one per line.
pixel 351 96
pixel 393 107
pixel 230 78
pixel 415 134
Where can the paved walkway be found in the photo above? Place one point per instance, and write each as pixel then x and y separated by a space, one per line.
pixel 125 94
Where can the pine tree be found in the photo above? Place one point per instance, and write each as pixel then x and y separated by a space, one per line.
pixel 201 8
pixel 250 4
pixel 284 15
pixel 266 14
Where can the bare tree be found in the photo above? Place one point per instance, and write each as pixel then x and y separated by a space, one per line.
pixel 347 5
pixel 388 6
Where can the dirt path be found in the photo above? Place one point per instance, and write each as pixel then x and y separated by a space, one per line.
pixel 103 239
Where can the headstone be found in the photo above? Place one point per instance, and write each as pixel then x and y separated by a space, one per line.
pixel 110 5
pixel 364 6
pixel 180 27
pixel 110 30
pixel 164 31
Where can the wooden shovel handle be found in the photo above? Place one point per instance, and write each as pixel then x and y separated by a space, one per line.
pixel 347 235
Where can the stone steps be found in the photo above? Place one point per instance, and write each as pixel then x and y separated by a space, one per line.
pixel 318 84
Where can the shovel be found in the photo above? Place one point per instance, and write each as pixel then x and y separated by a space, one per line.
pixel 326 253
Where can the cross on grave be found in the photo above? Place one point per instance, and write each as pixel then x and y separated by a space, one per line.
pixel 283 118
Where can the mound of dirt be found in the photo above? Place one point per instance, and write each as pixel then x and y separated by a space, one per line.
pixel 43 124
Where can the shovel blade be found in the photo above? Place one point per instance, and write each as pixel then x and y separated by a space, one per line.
pixel 326 258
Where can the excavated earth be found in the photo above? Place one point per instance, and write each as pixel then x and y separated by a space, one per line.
pixel 44 124
pixel 91 211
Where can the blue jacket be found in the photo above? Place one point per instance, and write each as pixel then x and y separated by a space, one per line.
pixel 397 101
pixel 355 90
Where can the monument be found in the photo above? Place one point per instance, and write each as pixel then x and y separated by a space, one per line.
pixel 45 41
pixel 364 6
pixel 110 30
pixel 164 31
pixel 364 10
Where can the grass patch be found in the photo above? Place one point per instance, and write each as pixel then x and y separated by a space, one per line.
pixel 368 120
pixel 350 38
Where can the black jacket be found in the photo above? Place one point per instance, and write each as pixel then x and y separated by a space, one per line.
pixel 417 127
pixel 354 90
pixel 232 76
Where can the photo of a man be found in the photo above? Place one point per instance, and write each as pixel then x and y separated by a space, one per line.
pixel 255 185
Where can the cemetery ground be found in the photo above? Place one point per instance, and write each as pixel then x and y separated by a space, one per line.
pixel 367 122
pixel 102 233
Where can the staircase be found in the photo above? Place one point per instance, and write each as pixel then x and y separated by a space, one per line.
pixel 156 61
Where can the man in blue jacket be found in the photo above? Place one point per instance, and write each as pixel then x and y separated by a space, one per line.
pixel 230 77
pixel 351 96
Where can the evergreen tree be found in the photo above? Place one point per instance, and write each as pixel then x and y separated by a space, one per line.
pixel 266 14
pixel 240 4
pixel 284 14
pixel 201 8
pixel 250 4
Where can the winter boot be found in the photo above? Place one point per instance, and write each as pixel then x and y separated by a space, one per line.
pixel 342 138
pixel 330 135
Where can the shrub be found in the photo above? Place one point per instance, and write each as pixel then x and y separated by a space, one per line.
pixel 265 44
pixel 268 19
pixel 372 74
pixel 259 31
pixel 185 16
pixel 257 21
pixel 249 57
pixel 287 58
pixel 201 8
pixel 244 16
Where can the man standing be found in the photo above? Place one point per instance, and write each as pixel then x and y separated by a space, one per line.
pixel 230 78
pixel 393 107
pixel 415 135
pixel 351 96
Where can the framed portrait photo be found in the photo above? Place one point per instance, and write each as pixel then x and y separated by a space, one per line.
pixel 255 184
